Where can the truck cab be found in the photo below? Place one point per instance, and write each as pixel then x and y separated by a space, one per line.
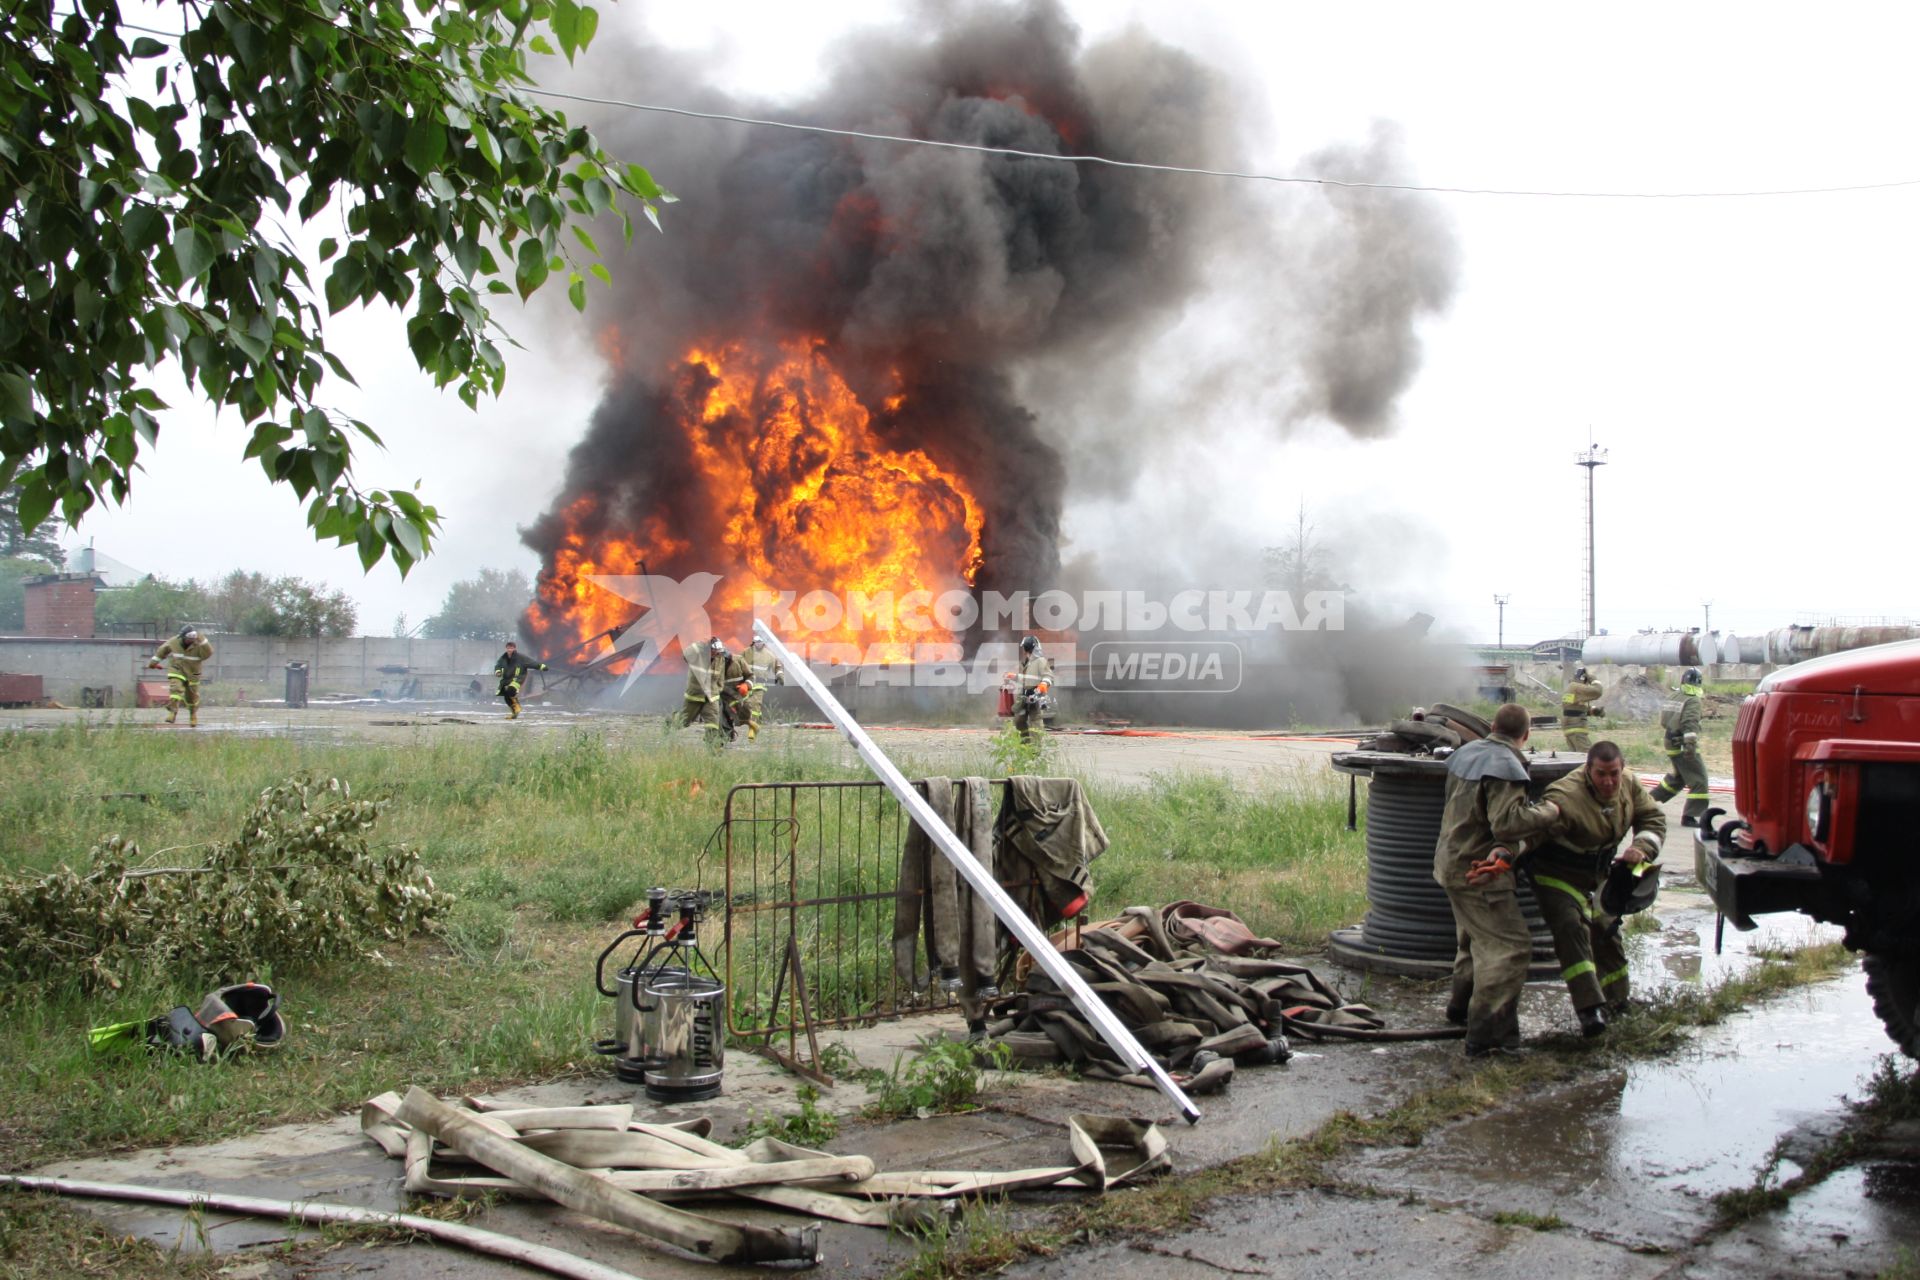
pixel 1826 772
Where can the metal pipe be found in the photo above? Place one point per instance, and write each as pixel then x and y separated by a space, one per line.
pixel 1029 935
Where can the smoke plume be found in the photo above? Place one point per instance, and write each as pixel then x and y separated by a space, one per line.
pixel 987 312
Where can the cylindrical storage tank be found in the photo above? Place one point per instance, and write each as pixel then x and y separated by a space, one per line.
pixel 1652 649
pixel 1797 644
pixel 1409 928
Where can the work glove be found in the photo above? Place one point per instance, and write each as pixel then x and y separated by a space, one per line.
pixel 1494 864
pixel 543 666
pixel 1691 739
pixel 153 665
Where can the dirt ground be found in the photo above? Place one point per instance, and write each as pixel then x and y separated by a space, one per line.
pixel 1614 1169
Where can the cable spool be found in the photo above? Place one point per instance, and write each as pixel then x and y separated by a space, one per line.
pixel 1409 927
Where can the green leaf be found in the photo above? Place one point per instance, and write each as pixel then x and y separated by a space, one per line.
pixel 193 251
pixel 588 24
pixel 36 502
pixel 404 532
pixel 577 290
pixel 565 21
pixel 147 47
pixel 489 149
pixel 426 145
pixel 372 546
pixel 16 398
pixel 600 272
pixel 533 268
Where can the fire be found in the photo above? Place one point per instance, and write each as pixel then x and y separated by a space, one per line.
pixel 798 491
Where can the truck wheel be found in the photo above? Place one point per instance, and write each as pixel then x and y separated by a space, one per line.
pixel 1894 984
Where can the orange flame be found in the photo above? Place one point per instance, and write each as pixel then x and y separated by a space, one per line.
pixel 805 496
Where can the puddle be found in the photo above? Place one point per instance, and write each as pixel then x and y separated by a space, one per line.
pixel 1638 1155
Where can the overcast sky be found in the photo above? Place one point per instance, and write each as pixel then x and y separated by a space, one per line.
pixel 1747 363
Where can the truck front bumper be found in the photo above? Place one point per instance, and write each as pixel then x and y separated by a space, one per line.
pixel 1744 887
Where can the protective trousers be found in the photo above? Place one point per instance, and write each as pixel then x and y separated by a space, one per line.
pixel 1492 947
pixel 1687 773
pixel 1587 941
pixel 180 690
pixel 510 690
pixel 1578 739
pixel 702 711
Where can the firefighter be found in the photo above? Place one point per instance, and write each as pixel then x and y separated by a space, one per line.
pixel 762 669
pixel 1687 772
pixel 512 669
pixel 1575 704
pixel 1600 805
pixel 717 687
pixel 1487 814
pixel 1032 687
pixel 182 656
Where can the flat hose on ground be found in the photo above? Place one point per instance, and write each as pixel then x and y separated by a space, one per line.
pixel 489 1242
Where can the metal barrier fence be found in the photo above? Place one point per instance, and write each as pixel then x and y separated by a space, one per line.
pixel 812 870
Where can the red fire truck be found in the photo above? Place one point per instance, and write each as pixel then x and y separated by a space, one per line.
pixel 1826 773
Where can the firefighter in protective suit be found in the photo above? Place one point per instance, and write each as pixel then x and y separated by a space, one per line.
pixel 717 687
pixel 1600 805
pixel 1032 689
pixel 182 656
pixel 1575 705
pixel 763 669
pixel 1687 771
pixel 1487 815
pixel 512 669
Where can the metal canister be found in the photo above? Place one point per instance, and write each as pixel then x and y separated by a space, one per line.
pixel 683 1028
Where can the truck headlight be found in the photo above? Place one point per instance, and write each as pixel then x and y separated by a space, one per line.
pixel 1817 812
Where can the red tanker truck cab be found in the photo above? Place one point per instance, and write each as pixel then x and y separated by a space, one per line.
pixel 1826 773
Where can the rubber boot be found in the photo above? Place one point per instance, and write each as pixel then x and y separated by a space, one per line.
pixel 753 731
pixel 173 712
pixel 193 717
pixel 1593 1021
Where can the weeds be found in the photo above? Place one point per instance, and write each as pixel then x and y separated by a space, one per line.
pixel 1531 1221
pixel 981 1240
pixel 808 1127
pixel 942 1078
pixel 1013 752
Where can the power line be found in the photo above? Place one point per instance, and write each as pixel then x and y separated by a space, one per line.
pixel 1214 173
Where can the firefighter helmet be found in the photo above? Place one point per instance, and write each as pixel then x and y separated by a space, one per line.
pixel 716 645
pixel 1692 676
pixel 1581 675
pixel 1030 645
pixel 1629 887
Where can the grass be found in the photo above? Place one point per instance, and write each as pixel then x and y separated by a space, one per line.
pixel 44 1237
pixel 549 841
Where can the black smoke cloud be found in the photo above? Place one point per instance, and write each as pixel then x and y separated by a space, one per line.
pixel 1006 297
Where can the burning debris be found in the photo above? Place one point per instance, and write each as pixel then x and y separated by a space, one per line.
pixel 830 374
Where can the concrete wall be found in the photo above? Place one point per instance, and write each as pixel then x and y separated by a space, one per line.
pixel 253 668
